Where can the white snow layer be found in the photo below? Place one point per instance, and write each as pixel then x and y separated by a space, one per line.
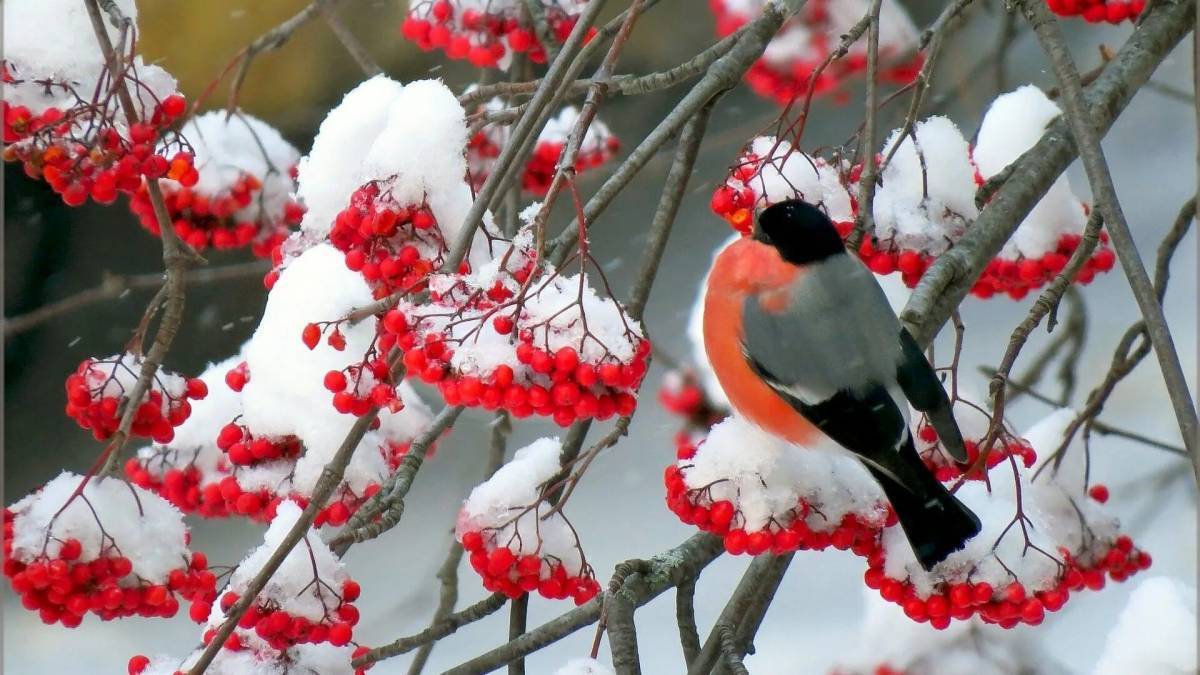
pixel 584 666
pixel 1013 124
pixel 154 540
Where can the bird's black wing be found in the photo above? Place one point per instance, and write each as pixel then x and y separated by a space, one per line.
pixel 924 391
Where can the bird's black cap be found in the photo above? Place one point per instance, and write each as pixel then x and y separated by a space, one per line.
pixel 801 232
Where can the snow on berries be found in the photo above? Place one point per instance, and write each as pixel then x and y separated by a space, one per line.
pixel 99 389
pixel 385 183
pixel 1052 231
pixel 103 547
pixel 1042 540
pixel 62 119
pixel 514 540
pixel 528 342
pixel 762 494
pixel 487 33
pixel 322 658
pixel 309 599
pixel 770 170
pixel 598 147
pixel 1099 11
pixel 793 56
pixel 242 195
pixel 1155 633
pixel 925 200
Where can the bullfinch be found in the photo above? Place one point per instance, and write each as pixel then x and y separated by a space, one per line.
pixel 805 345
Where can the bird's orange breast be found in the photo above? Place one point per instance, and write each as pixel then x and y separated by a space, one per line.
pixel 745 269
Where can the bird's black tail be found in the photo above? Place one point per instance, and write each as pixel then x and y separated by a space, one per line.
pixel 935 523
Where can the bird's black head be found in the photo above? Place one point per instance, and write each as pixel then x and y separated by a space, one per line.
pixel 801 232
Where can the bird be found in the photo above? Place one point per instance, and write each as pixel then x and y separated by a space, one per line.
pixel 805 346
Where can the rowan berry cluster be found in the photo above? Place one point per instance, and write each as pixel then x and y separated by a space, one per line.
pixel 508 572
pixel 1012 603
pixel 1099 11
pixel 204 221
pixel 64 564
pixel 975 434
pixel 83 149
pixel 756 511
pixel 164 471
pixel 98 390
pixel 395 247
pixel 791 62
pixel 517 540
pixel 599 145
pixel 487 32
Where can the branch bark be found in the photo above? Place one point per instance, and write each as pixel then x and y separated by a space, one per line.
pixel 950 278
pixel 1084 131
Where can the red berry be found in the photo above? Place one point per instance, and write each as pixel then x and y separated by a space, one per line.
pixel 1099 493
pixel 311 335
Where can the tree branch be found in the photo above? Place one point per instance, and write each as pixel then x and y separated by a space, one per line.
pixel 1094 163
pixel 951 276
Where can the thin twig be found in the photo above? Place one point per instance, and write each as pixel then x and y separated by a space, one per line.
pixel 344 35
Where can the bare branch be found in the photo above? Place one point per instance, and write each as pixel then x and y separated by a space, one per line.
pixel 355 48
pixel 1082 128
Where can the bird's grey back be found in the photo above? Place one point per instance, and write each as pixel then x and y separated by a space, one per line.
pixel 839 332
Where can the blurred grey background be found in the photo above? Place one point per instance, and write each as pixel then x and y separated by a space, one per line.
pixel 52 251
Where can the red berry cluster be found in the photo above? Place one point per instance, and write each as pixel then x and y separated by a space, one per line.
pixel 63 588
pixel 358 387
pixel 228 497
pixel 570 390
pixel 483 33
pixel 183 485
pixel 1012 604
pixel 722 517
pixel 1099 11
pixel 98 387
pixel 504 571
pixel 946 469
pixel 244 449
pixel 812 26
pixel 220 220
pixel 543 163
pixel 736 199
pixel 393 246
pixel 82 152
pixel 282 630
pixel 1018 277
pixel 539 172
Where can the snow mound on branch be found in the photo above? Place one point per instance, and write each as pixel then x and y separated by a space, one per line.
pixel 1012 125
pixel 985 557
pixel 516 489
pixel 224 151
pixel 382 129
pixel 147 530
pixel 890 639
pixel 515 484
pixel 927 194
pixel 72 55
pixel 583 666
pixel 1156 632
pixel 764 477
pixel 292 586
pixel 788 173
pixel 286 376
